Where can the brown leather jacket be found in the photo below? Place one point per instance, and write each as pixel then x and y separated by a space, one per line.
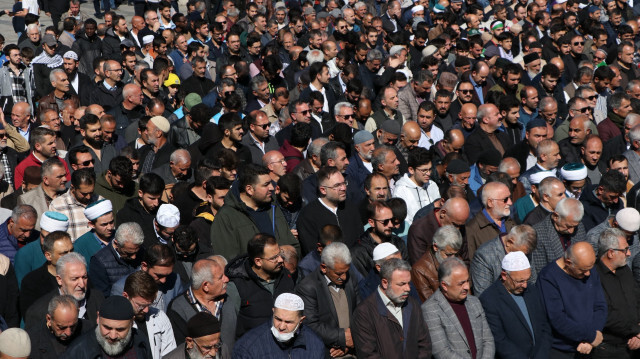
pixel 424 275
pixel 49 102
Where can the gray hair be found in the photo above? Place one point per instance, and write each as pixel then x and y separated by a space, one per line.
pixel 524 235
pixel 546 185
pixel 570 208
pixel 256 81
pixel 391 265
pixel 225 82
pixel 23 210
pixel 609 240
pixel 634 134
pixel 632 119
pixel 66 301
pixel 316 146
pixel 359 4
pixel 379 158
pixel 615 100
pixel 128 89
pixel 315 56
pixel 202 273
pixel 340 105
pixel 140 65
pixel 488 191
pixel 374 54
pixel 69 258
pixel 49 164
pixel 329 151
pixel 129 232
pixel 507 163
pixel 546 101
pixel 632 84
pixel 53 73
pixel 545 147
pixel 448 266
pixel 32 27
pixel 422 76
pixel 482 112
pixel 335 252
pixel 448 236
pixel 180 156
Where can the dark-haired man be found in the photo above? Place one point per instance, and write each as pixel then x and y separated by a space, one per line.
pixel 143 209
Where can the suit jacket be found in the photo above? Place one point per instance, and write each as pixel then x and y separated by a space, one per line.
pixel 328 92
pixel 634 165
pixel 510 330
pixel 549 247
pixel 321 312
pixel 85 87
pixel 377 333
pixel 477 142
pixel 36 315
pixel 36 198
pixel 612 147
pixel 479 231
pixel 447 335
pixel 408 103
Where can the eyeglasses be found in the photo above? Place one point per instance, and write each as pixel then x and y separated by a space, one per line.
pixel 582 110
pixel 518 282
pixel 209 348
pixel 86 163
pixel 283 161
pixel 591 98
pixel 578 43
pixel 274 258
pixel 116 70
pixel 347 116
pixel 305 112
pixel 504 200
pixel 385 222
pixel 53 47
pixel 623 250
pixel 2 135
pixel 466 92
pixel 338 185
pixel 264 127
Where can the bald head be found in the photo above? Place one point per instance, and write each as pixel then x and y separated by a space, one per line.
pixel 579 259
pixel 558 62
pixel 180 156
pixel 95 110
pixel 455 211
pixel 274 161
pixel 453 141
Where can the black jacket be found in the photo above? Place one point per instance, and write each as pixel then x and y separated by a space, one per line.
pixel 162 156
pixel 42 340
pixel 38 310
pixel 477 142
pixel 125 117
pixel 256 301
pixel 200 85
pixel 319 310
pixel 36 284
pixel 570 153
pixel 87 347
pixel 41 76
pixel 520 152
pixel 85 88
pixel 105 98
pixel 111 45
pixel 107 267
pixel 315 215
pixel 594 212
pixel 330 95
pixel 362 251
pixel 133 211
pixel 178 136
pixel 9 298
pixel 88 48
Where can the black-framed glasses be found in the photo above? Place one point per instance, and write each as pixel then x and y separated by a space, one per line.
pixel 503 200
pixel 466 92
pixel 305 112
pixel 385 222
pixel 583 110
pixel 86 163
pixel 591 98
pixel 264 127
pixel 623 250
pixel 578 43
pixel 347 116
pixel 2 135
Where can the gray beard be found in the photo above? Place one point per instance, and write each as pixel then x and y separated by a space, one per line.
pixel 194 353
pixel 113 349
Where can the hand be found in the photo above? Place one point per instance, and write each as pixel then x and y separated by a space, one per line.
pixel 156 26
pixel 48 14
pixel 394 62
pixel 336 352
pixel 633 343
pixel 598 339
pixel 584 348
pixel 295 233
pixel 2 121
pixel 348 338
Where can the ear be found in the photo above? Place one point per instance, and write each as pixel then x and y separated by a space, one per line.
pixel 140 193
pixel 144 266
pixel 48 256
pixel 384 283
pixel 59 280
pixel 323 268
pixel 124 294
pixel 371 222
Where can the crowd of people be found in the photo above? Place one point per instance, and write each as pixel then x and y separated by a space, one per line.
pixel 328 179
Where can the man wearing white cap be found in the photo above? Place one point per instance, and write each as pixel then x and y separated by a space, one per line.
pixel 166 221
pixel 101 221
pixel 330 295
pixel 79 83
pixel 628 221
pixel 526 204
pixel 159 149
pixel 40 281
pixel 621 333
pixel 15 344
pixel 31 256
pixel 147 45
pixel 574 176
pixel 550 192
pixel 515 311
pixel 284 335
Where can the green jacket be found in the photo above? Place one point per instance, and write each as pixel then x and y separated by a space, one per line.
pixel 232 228
pixel 117 198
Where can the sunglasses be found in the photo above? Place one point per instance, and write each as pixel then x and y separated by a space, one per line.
pixel 466 92
pixel 347 116
pixel 264 127
pixel 583 110
pixel 305 112
pixel 385 222
pixel 86 163
pixel 578 43
pixel 504 200
pixel 591 98
pixel 2 135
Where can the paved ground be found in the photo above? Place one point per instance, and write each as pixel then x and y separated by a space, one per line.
pixel 6 28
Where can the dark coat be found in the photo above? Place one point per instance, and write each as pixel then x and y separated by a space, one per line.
pixel 477 142
pixel 133 211
pixel 106 267
pixel 356 170
pixel 105 98
pixel 200 85
pixel 162 156
pixel 42 339
pixel 320 311
pixel 178 136
pixel 38 310
pixel 570 153
pixel 9 298
pixel 87 347
pixel 87 48
pixel 259 343
pixel 615 146
pixel 85 88
pixel 510 330
pixel 421 232
pixel 520 152
pixel 41 77
pixel 362 251
pixel 594 212
pixel 377 333
pixel 35 285
pixel 479 231
pixel 328 91
pixel 315 215
pixel 125 117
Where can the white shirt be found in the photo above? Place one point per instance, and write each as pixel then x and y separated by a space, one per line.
pixel 75 83
pixel 32 5
pixel 325 106
pixel 333 210
pixel 436 135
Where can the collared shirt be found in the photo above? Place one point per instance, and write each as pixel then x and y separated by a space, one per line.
pixel 107 86
pixel 325 106
pixel 18 85
pixel 68 205
pixel 26 134
pixel 478 89
pixel 75 82
pixel 201 308
pixel 333 210
pixel 258 144
pixel 392 308
pixel 343 86
pixel 427 141
pixel 332 285
pixel 503 225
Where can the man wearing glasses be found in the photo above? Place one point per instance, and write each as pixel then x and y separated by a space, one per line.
pixel 203 330
pixel 258 140
pixel 108 94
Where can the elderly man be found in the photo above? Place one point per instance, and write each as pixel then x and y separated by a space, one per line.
pixel 18 230
pixel 100 220
pixel 574 301
pixel 118 259
pixel 73 202
pixel 360 161
pixel 203 330
pixel 283 335
pixel 578 131
pixel 486 136
pixel 159 149
pixel 548 157
pixel 205 294
pixel 628 221
pixel 178 169
pixel 51 337
pixel 71 275
pixel 115 334
pixel 602 200
pixel 493 220
pixel 276 163
pixel 507 301
pixel 621 333
pixel 53 184
pixel 60 83
pixel 329 304
pixel 550 191
pixel 108 94
pixel 447 242
pixel 485 265
pixel 557 232
pixel 388 322
pixel 448 308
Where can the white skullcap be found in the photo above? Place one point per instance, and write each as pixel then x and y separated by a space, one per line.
pixel 147 39
pixel 415 9
pixel 573 172
pixel 161 123
pixel 561 1
pixel 383 250
pixel 15 342
pixel 536 178
pixel 168 216
pixel 628 219
pixel 429 50
pixel 54 221
pixel 70 55
pixel 396 49
pixel 98 209
pixel 289 301
pixel 515 261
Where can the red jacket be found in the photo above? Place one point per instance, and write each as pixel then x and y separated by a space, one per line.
pixel 31 160
pixel 292 155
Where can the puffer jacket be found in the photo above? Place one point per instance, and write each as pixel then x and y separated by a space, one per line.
pixel 87 48
pixel 106 267
pixel 415 196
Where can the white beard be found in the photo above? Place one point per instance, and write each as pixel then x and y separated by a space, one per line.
pixel 116 348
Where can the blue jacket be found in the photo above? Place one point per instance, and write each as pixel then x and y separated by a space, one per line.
pixel 356 171
pixel 260 343
pixel 475 179
pixel 107 267
pixel 510 330
pixel 8 243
